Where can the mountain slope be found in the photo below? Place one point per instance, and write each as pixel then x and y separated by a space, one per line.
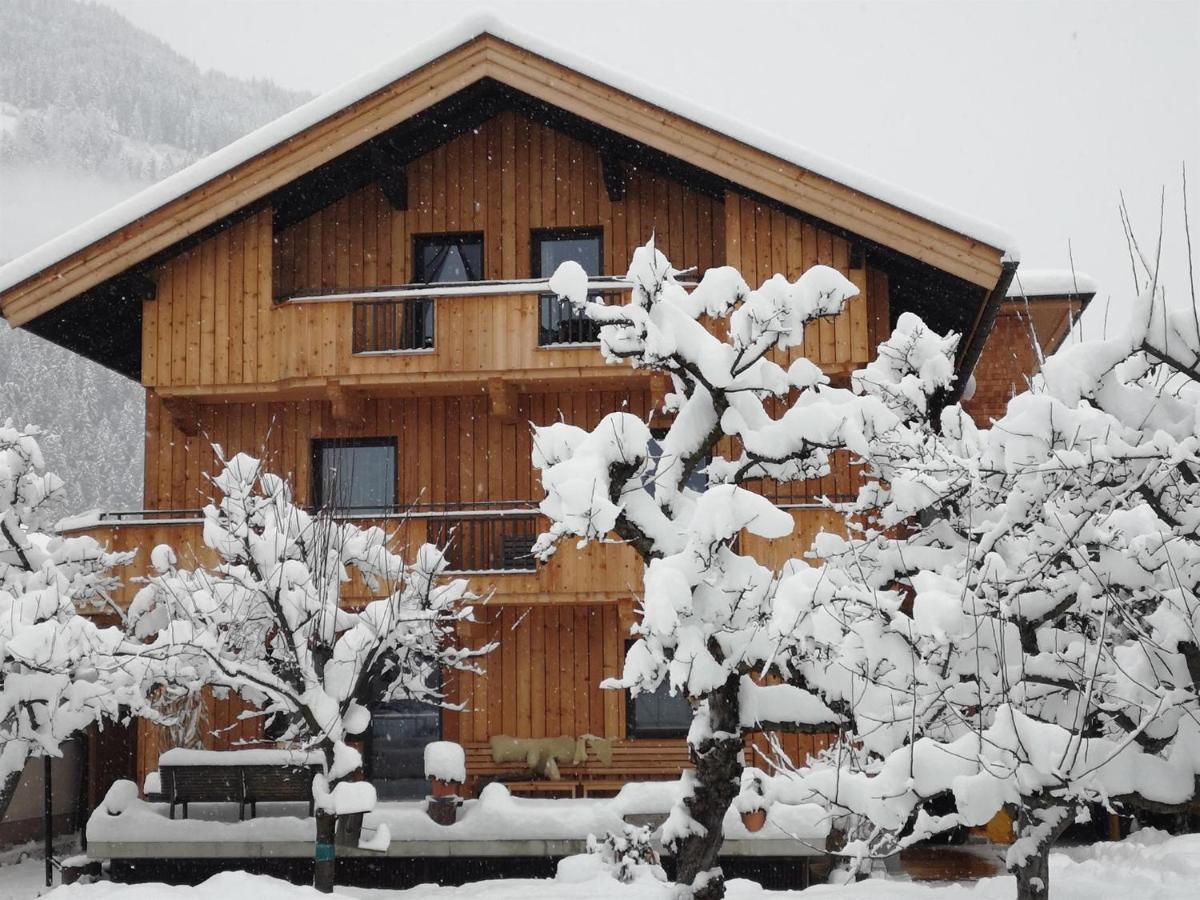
pixel 92 110
pixel 81 86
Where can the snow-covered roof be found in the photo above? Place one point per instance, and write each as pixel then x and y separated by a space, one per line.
pixel 1050 283
pixel 304 117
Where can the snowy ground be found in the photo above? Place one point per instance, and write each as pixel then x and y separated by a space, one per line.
pixel 1147 866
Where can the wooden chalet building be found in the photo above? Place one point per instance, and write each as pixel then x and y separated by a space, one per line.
pixel 360 287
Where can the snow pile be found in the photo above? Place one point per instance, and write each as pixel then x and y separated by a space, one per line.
pixel 1050 283
pixel 445 761
pixel 223 886
pixel 344 799
pixel 494 815
pixel 120 797
pixel 182 756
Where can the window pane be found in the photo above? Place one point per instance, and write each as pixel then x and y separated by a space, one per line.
pixel 584 250
pixel 357 478
pixel 453 258
pixel 558 321
pixel 661 714
pixel 697 481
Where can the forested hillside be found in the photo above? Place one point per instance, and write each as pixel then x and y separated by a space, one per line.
pixel 92 110
pixel 83 87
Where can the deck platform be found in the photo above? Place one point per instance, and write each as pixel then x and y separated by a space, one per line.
pixel 495 826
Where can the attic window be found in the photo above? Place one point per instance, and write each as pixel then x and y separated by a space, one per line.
pixel 439 258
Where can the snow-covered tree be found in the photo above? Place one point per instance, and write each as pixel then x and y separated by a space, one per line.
pixel 268 622
pixel 56 671
pixel 737 416
pixel 1015 626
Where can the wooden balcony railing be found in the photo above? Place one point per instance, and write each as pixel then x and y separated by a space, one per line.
pixel 389 326
pixel 489 545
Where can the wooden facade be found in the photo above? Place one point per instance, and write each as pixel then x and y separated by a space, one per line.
pixel 249 339
pixel 1027 329
pixel 225 325
pixel 229 359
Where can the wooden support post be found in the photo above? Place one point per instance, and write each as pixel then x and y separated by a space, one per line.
pixel 184 413
pixel 612 169
pixel 325 855
pixel 660 386
pixel 48 820
pixel 502 399
pixel 348 405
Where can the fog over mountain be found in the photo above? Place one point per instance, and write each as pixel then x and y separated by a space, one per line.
pixel 93 110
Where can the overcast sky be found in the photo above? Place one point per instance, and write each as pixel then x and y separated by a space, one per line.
pixel 1031 115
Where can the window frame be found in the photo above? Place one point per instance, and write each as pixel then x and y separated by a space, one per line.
pixel 633 732
pixel 536 237
pixel 420 241
pixel 319 445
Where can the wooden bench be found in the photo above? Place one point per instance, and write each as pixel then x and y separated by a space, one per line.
pixel 632 760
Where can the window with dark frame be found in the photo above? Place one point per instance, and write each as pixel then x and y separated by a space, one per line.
pixel 658 714
pixel 355 476
pixel 395 751
pixel 558 321
pixel 443 258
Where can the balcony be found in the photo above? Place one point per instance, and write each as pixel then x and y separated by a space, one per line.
pixel 488 544
pixel 506 328
pixel 421 339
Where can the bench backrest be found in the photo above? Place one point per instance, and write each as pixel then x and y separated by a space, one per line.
pixel 187 784
pixel 279 783
pixel 197 784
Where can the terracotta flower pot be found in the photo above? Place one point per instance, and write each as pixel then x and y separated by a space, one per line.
pixel 445 788
pixel 755 819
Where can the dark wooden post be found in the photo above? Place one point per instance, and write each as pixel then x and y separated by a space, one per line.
pixel 48 820
pixel 325 860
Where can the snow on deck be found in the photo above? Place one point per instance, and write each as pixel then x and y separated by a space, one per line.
pixel 1148 865
pixel 328 104
pixel 496 824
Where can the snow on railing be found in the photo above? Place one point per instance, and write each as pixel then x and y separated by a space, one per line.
pixel 493 288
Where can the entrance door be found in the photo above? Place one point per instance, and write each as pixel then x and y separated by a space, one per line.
pixel 396 758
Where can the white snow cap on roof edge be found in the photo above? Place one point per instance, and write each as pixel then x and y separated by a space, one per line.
pixel 328 104
pixel 1050 283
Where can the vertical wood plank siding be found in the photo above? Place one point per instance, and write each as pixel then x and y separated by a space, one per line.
pixel 215 322
pixel 215 325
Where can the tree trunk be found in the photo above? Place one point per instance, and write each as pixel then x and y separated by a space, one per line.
pixel 1038 829
pixel 718 762
pixel 325 851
